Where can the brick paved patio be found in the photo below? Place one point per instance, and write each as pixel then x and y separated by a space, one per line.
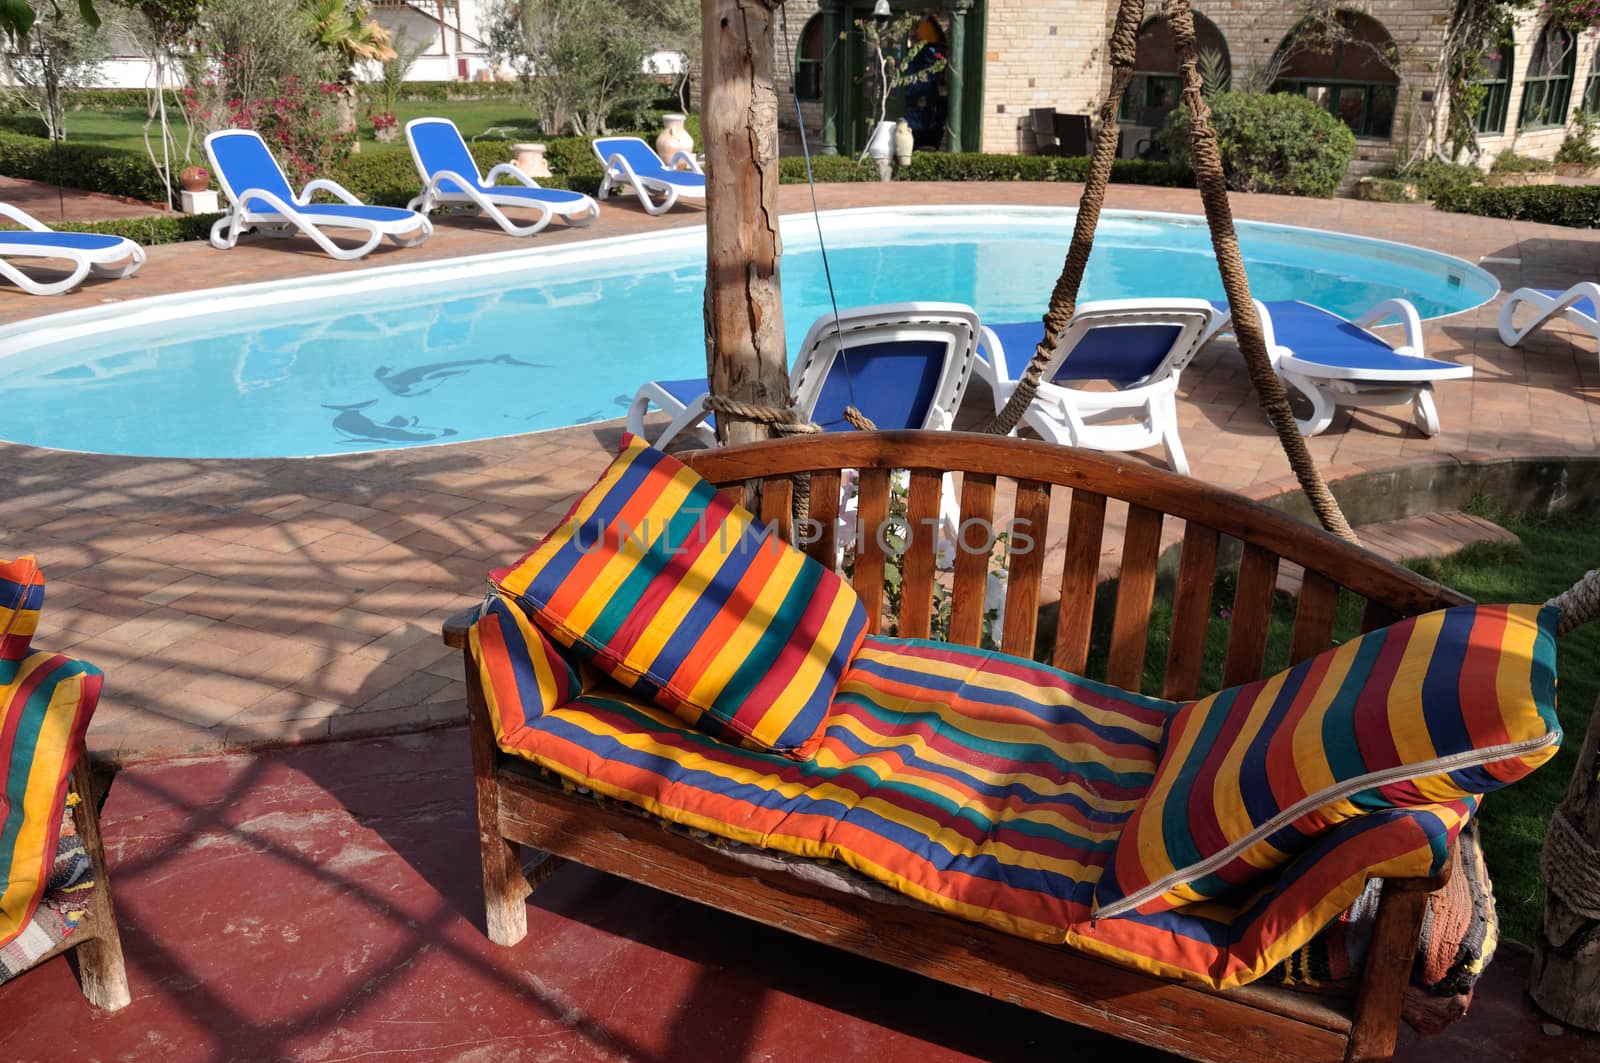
pixel 243 603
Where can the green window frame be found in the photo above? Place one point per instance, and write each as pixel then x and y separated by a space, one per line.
pixel 1367 107
pixel 1547 88
pixel 1496 82
pixel 1150 90
pixel 1591 87
pixel 808 54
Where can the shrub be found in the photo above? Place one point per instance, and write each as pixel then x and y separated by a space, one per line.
pixel 442 91
pixel 92 169
pixel 1434 178
pixel 827 169
pixel 153 230
pixel 1509 161
pixel 1272 142
pixel 1578 148
pixel 1577 206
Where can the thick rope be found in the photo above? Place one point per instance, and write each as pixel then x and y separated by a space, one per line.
pixel 1230 264
pixel 786 421
pixel 1571 866
pixel 1064 298
pixel 1579 604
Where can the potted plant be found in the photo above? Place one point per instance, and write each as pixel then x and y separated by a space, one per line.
pixel 385 126
pixel 892 47
pixel 1578 156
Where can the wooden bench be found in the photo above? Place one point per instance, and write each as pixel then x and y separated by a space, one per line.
pixel 517 807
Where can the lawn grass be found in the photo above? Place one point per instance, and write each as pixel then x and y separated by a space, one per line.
pixel 1554 551
pixel 124 127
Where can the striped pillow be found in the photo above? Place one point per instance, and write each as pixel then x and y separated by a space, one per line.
pixel 679 595
pixel 45 705
pixel 21 596
pixel 1432 709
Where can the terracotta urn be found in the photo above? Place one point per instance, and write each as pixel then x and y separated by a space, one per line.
pixel 904 143
pixel 673 139
pixel 530 159
pixel 194 178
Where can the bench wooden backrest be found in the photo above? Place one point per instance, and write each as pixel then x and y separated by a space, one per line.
pixel 1153 496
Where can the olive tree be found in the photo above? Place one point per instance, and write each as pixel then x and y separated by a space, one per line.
pixel 60 51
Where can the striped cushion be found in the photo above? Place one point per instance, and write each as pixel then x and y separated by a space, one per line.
pixel 1435 708
pixel 21 596
pixel 44 710
pixel 680 595
pixel 986 786
pixel 1226 944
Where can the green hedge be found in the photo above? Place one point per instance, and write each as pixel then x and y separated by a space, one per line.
pixel 152 230
pixel 1577 206
pixel 108 170
pixel 978 166
pixel 827 169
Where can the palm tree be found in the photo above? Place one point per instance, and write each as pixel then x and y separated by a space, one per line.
pixel 344 31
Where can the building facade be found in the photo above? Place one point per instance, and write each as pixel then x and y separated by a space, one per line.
pixel 1379 70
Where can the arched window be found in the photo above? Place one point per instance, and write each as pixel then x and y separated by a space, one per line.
pixel 1496 82
pixel 808 61
pixel 1346 64
pixel 1155 87
pixel 1547 88
pixel 1591 87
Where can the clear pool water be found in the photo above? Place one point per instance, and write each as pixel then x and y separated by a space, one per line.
pixel 546 337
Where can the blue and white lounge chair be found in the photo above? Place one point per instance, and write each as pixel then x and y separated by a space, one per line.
pixel 1334 361
pixel 1578 304
pixel 1139 346
pixel 450 177
pixel 632 163
pixel 259 196
pixel 104 256
pixel 904 365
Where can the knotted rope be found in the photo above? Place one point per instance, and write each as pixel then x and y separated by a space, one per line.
pixel 1579 603
pixel 786 421
pixel 1230 263
pixel 1064 297
pixel 1571 866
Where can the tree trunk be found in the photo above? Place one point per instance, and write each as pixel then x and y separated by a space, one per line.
pixel 746 358
pixel 1565 980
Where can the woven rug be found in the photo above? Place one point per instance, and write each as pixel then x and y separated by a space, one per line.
pixel 62 908
pixel 1459 933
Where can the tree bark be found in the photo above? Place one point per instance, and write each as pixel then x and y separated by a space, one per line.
pixel 1565 979
pixel 746 358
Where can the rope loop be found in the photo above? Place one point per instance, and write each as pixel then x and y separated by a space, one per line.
pixel 1571 866
pixel 1579 603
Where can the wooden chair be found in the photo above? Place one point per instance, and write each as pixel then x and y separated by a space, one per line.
pixel 102 973
pixel 516 807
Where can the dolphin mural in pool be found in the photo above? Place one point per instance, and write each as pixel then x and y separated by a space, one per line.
pixel 357 427
pixel 410 382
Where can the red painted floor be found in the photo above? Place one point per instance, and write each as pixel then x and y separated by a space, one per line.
pixel 322 904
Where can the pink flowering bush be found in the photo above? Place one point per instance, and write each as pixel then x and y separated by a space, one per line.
pixel 299 123
pixel 385 125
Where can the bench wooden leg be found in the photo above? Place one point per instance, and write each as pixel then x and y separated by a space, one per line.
pixel 101 970
pixel 505 887
pixel 1390 958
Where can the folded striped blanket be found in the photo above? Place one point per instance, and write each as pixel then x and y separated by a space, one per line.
pixel 61 909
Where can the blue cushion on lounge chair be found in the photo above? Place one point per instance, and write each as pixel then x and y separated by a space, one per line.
pixel 77 241
pixel 1125 353
pixel 346 210
pixel 646 163
pixel 1582 306
pixel 1320 337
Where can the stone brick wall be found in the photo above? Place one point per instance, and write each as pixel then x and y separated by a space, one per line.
pixel 1052 53
pixel 1540 143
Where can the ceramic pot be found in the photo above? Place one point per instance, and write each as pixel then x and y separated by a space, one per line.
pixel 673 139
pixel 904 142
pixel 530 159
pixel 880 147
pixel 194 178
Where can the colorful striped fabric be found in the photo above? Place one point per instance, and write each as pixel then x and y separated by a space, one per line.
pixel 681 596
pixel 21 597
pixel 1432 709
pixel 45 707
pixel 985 786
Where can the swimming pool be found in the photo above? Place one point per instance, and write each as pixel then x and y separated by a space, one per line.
pixel 541 338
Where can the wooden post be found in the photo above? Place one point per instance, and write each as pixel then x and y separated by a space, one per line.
pixel 746 358
pixel 1565 979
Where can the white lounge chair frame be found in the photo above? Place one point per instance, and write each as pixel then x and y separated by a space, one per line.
pixel 120 260
pixel 1328 387
pixel 1547 309
pixel 950 323
pixel 620 174
pixel 1100 420
pixel 577 213
pixel 284 219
